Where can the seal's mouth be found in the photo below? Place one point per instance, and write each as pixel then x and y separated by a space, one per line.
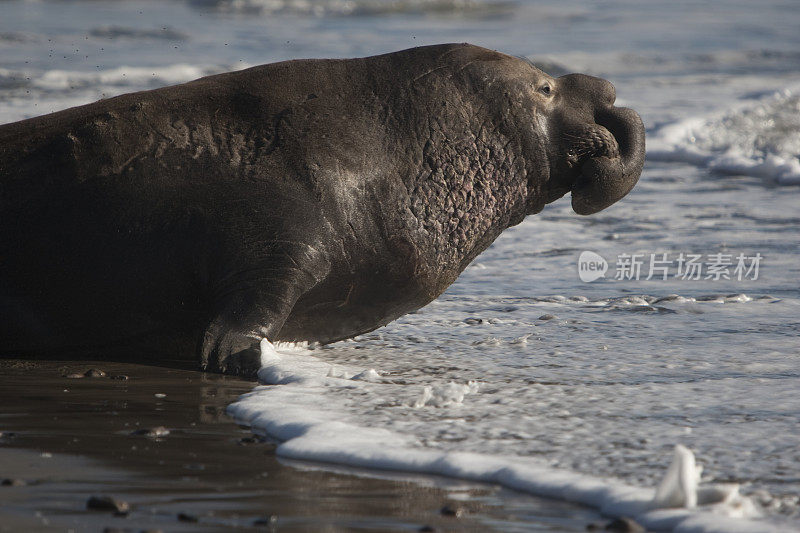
pixel 610 155
pixel 582 144
pixel 591 140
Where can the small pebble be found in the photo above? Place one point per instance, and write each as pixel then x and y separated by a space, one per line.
pixel 75 375
pixel 448 510
pixel 266 521
pixel 625 525
pixel 186 517
pixel 547 317
pixel 94 373
pixel 12 482
pixel 153 433
pixel 473 321
pixel 160 395
pixel 107 503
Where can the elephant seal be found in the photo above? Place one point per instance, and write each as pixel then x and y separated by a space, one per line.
pixel 304 200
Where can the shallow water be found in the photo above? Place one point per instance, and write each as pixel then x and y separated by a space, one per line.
pixel 620 375
pixel 69 439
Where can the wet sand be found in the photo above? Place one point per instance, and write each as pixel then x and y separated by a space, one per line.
pixel 66 439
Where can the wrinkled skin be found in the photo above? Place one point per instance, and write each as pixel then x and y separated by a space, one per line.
pixel 305 200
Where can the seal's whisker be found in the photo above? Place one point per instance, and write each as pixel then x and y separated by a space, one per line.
pixel 585 151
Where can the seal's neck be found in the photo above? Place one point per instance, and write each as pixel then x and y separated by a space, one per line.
pixel 466 193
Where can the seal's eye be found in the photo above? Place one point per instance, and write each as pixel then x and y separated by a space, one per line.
pixel 545 89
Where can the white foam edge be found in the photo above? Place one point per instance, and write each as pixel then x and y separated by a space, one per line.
pixel 291 408
pixel 668 143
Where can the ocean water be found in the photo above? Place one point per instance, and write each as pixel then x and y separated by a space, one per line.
pixel 521 373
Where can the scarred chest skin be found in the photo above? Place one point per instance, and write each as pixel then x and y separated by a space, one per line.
pixel 452 177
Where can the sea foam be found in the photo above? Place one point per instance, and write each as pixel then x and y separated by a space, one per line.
pixel 300 405
pixel 755 137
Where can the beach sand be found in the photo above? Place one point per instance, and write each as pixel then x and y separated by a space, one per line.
pixel 66 439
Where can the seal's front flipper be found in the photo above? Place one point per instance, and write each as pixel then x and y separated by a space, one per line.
pixel 256 301
pixel 229 351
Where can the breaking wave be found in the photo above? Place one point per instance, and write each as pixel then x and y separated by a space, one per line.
pixel 756 137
